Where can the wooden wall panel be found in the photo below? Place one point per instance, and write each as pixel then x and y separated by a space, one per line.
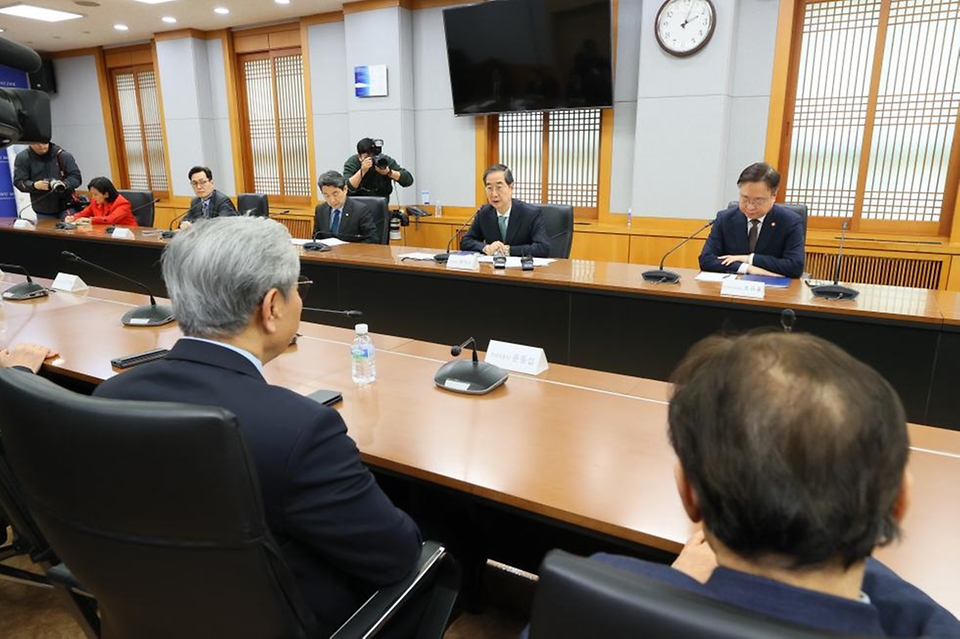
pixel 918 270
pixel 600 246
pixel 650 250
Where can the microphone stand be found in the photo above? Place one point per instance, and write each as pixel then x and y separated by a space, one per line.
pixel 443 257
pixel 24 290
pixel 470 377
pixel 152 314
pixel 836 291
pixel 660 276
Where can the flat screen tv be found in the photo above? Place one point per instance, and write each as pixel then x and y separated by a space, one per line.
pixel 529 55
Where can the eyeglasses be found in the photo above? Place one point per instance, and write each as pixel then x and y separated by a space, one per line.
pixel 499 188
pixel 198 183
pixel 753 201
pixel 303 285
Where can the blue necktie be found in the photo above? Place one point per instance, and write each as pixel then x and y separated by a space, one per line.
pixel 335 224
pixel 205 208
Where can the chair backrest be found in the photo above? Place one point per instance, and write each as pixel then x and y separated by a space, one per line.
pixel 799 209
pixel 381 216
pixel 256 204
pixel 155 508
pixel 558 219
pixel 142 205
pixel 579 597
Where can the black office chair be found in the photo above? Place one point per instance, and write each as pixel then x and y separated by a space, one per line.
pixel 156 509
pixel 27 539
pixel 578 597
pixel 256 204
pixel 142 205
pixel 381 216
pixel 799 209
pixel 558 219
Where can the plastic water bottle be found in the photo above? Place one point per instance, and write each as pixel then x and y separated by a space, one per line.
pixel 629 216
pixel 364 356
pixel 438 211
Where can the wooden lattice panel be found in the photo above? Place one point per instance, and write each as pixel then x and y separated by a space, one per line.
pixel 916 272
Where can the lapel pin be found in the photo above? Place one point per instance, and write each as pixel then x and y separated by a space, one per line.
pixel 773 224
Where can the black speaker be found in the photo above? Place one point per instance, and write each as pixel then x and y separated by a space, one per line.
pixel 44 79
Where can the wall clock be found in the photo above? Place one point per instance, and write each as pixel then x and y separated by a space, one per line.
pixel 683 27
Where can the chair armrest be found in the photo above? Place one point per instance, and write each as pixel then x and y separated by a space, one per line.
pixel 60 575
pixel 435 568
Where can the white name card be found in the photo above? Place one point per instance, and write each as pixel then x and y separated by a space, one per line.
pixel 743 288
pixel 122 233
pixel 517 357
pixel 69 283
pixel 23 223
pixel 467 262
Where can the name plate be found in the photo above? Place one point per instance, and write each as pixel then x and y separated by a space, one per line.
pixel 743 288
pixel 517 357
pixel 23 223
pixel 69 283
pixel 122 233
pixel 467 262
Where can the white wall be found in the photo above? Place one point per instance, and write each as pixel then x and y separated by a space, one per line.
pixel 330 89
pixel 77 116
pixel 217 119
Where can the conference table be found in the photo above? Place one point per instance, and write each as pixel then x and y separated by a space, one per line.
pixel 575 456
pixel 590 314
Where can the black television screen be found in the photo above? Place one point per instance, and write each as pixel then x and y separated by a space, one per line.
pixel 529 55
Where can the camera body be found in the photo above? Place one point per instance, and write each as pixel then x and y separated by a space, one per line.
pixel 376 152
pixel 58 186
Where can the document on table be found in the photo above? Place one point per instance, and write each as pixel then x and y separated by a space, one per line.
pixel 513 261
pixel 419 257
pixel 706 276
pixel 330 241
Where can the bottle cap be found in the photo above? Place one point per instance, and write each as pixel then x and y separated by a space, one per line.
pixel 361 329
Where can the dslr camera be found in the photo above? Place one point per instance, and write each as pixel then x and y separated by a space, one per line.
pixel 376 151
pixel 58 186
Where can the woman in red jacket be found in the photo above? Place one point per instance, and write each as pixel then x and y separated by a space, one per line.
pixel 107 206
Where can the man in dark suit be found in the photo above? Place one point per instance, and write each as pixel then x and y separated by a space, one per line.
pixel 340 216
pixel 234 287
pixel 758 236
pixel 209 202
pixel 505 225
pixel 792 455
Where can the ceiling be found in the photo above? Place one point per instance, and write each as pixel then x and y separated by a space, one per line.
pixel 96 28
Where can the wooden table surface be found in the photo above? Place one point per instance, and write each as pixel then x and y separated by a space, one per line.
pixel 579 446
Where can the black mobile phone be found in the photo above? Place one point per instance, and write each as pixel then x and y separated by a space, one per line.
pixel 526 263
pixel 499 261
pixel 326 397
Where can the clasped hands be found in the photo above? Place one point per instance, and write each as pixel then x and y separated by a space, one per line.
pixel 727 260
pixel 496 248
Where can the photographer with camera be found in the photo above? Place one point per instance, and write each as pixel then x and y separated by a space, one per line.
pixel 51 176
pixel 371 172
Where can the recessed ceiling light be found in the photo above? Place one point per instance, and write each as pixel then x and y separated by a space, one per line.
pixel 153 1
pixel 39 13
pixel 282 1
pixel 121 27
pixel 169 19
pixel 221 10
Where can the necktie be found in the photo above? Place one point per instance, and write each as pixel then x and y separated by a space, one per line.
pixel 752 235
pixel 502 221
pixel 335 224
pixel 205 208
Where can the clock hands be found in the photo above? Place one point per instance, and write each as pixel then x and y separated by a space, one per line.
pixel 688 19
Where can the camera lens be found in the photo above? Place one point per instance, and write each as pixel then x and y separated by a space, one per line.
pixel 380 162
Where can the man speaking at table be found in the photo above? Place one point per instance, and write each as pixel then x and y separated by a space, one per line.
pixel 758 237
pixel 504 225
pixel 233 282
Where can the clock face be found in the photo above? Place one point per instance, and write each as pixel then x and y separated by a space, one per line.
pixel 683 27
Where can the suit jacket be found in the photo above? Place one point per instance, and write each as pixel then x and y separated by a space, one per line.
pixel 356 223
pixel 117 212
pixel 779 246
pixel 220 205
pixel 896 608
pixel 339 533
pixel 526 231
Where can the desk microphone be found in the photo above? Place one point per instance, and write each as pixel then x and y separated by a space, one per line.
pixel 471 377
pixel 443 257
pixel 787 319
pixel 24 223
pixel 836 291
pixel 314 245
pixel 170 232
pixel 152 314
pixel 334 311
pixel 660 276
pixel 24 290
